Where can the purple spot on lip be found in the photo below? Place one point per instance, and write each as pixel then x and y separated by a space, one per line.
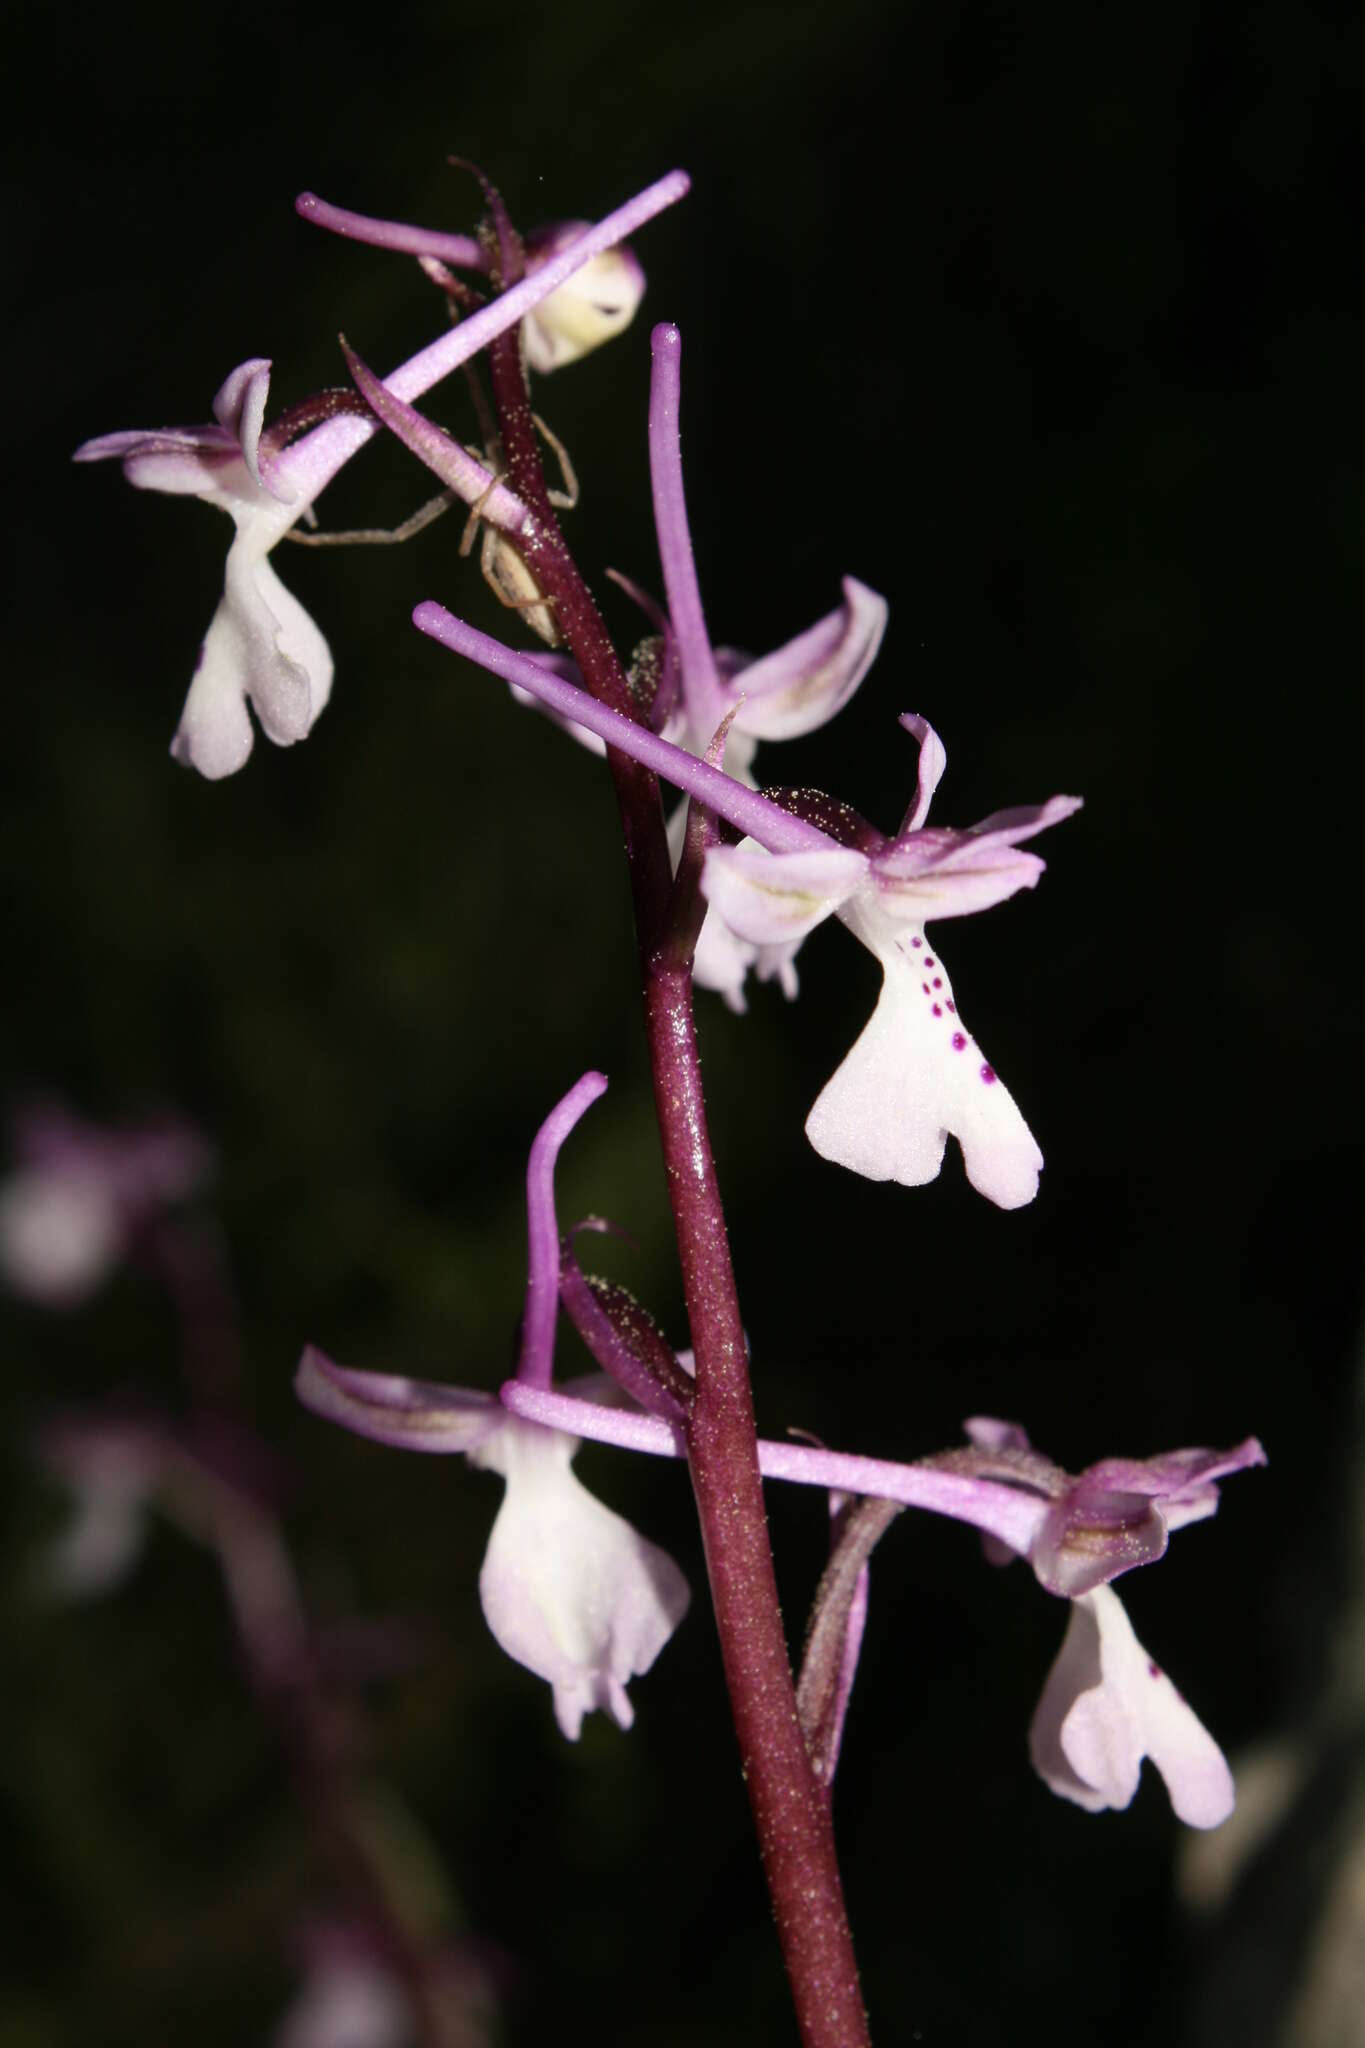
pixel 938 1009
pixel 953 1007
pixel 1153 1670
pixel 925 986
pixel 917 942
pixel 938 981
pixel 929 960
pixel 959 1042
pixel 987 1074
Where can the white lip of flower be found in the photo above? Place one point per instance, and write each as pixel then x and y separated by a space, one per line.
pixel 1105 1706
pixel 569 1589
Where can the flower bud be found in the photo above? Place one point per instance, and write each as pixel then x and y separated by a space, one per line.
pixel 596 303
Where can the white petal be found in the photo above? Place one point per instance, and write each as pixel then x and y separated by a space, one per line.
pixel 261 646
pixel 1105 1706
pixel 914 1077
pixel 569 1589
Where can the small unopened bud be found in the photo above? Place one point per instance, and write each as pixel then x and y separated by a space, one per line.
pixel 596 303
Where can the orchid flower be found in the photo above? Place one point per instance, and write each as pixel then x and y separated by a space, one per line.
pixel 262 648
pixel 915 1076
pixel 568 1588
pixel 1105 1704
pixel 79 1196
pixel 780 696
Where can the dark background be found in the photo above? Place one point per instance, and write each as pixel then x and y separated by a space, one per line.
pixel 1047 324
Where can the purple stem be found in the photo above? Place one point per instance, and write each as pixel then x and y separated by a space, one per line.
pixel 789 1803
pixel 461 250
pixel 757 815
pixel 535 1366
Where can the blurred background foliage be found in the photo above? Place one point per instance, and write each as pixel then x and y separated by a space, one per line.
pixel 1047 325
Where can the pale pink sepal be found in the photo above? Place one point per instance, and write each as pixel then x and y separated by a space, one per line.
pixel 569 1589
pixel 413 1415
pixel 775 899
pixel 1106 1706
pixel 801 686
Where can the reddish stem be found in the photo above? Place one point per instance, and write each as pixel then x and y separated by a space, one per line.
pixel 790 1806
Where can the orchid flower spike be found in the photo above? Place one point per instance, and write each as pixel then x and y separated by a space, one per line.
pixel 262 649
pixel 568 1588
